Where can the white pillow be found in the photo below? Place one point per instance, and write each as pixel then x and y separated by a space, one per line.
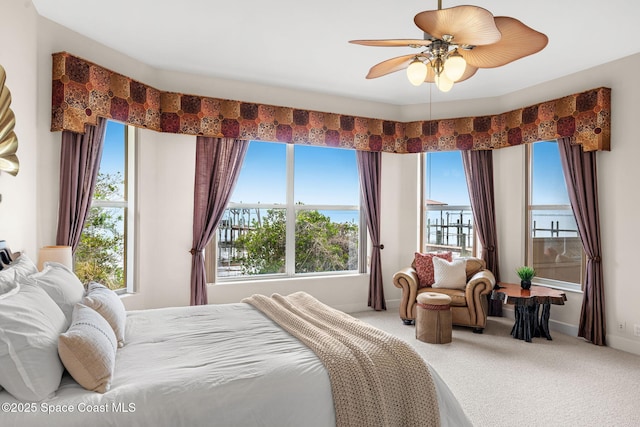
pixel 61 284
pixel 88 349
pixel 9 287
pixel 108 304
pixel 30 323
pixel 450 275
pixel 22 267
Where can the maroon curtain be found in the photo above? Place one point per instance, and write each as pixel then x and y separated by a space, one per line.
pixel 478 168
pixel 369 168
pixel 218 164
pixel 80 156
pixel 580 174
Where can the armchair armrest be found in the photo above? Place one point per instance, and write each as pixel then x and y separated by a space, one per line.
pixel 483 276
pixel 479 286
pixel 407 280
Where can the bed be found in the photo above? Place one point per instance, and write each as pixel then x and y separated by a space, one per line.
pixel 228 365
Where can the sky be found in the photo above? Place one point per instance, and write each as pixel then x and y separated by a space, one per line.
pixel 330 176
pixel 113 154
pixel 113 151
pixel 322 175
pixel 549 187
pixel 445 179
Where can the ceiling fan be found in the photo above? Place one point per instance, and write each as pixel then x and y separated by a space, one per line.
pixel 457 41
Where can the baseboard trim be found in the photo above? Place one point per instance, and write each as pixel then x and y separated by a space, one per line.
pixel 352 308
pixel 554 325
pixel 623 344
pixel 563 328
pixel 613 341
pixel 392 304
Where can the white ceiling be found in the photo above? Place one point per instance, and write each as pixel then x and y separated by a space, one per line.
pixel 304 45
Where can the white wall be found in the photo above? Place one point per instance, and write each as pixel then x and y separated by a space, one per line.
pixel 166 179
pixel 18 58
pixel 165 211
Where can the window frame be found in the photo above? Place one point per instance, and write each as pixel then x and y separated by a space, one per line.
pixel 291 209
pixel 129 207
pixel 131 143
pixel 475 246
pixel 528 238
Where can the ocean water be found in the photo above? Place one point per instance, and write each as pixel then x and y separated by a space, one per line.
pixel 559 223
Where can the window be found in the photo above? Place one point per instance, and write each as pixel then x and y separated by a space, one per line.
pixel 294 210
pixel 554 248
pixel 105 252
pixel 447 217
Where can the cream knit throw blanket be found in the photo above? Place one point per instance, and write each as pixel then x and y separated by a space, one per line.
pixel 376 378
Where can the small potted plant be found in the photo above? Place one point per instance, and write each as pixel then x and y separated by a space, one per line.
pixel 525 273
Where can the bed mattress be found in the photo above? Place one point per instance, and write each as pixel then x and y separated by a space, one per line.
pixel 213 365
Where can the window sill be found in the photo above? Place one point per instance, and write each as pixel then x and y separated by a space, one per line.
pixel 301 278
pixel 561 286
pixel 124 293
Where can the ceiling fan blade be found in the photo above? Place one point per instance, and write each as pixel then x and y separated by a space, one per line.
pixel 518 41
pixel 469 71
pixel 469 25
pixel 393 42
pixel 390 66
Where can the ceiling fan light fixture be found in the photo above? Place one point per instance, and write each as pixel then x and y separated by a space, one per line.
pixel 457 42
pixel 443 82
pixel 455 66
pixel 417 72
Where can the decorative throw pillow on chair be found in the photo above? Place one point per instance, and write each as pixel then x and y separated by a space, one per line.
pixel 450 275
pixel 424 266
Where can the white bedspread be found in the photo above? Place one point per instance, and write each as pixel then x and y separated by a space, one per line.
pixel 214 365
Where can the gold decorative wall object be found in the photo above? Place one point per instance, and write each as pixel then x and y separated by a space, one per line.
pixel 8 139
pixel 82 91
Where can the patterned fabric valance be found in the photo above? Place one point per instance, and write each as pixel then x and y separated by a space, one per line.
pixel 83 91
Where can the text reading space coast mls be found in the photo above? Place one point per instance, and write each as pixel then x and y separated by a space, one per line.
pixel 48 408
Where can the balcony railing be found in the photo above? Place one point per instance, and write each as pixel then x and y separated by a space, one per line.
pixel 554 230
pixel 449 228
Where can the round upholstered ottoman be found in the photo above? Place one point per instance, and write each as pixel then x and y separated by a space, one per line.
pixel 433 318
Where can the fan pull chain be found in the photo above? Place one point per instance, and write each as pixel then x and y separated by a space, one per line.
pixel 430 88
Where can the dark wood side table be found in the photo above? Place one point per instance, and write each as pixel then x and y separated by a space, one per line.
pixel 530 320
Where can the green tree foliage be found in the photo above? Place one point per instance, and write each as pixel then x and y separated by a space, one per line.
pixel 321 245
pixel 263 246
pixel 99 256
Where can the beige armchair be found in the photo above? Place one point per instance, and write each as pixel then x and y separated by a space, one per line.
pixel 468 307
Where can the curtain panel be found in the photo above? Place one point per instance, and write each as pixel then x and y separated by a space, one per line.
pixel 218 164
pixel 478 168
pixel 580 174
pixel 369 170
pixel 80 156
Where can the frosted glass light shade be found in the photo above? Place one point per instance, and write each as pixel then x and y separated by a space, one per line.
pixel 443 82
pixel 61 254
pixel 417 72
pixel 454 67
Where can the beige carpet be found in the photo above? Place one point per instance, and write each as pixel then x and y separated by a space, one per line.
pixel 501 381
